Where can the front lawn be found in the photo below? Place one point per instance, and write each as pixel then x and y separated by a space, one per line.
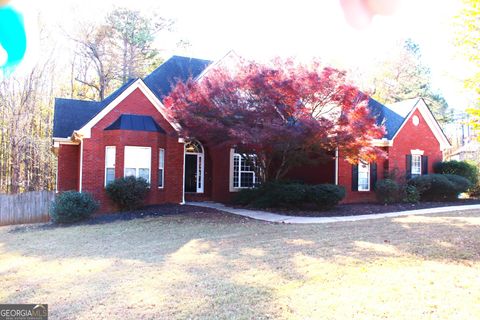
pixel 207 265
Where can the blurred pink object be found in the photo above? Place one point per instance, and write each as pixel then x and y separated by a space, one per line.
pixel 359 13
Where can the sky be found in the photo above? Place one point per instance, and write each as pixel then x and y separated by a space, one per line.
pixel 262 29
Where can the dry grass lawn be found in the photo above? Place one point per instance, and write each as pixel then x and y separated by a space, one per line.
pixel 216 266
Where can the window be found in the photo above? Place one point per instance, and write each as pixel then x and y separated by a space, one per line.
pixel 243 172
pixel 363 176
pixel 109 164
pixel 161 167
pixel 137 162
pixel 416 165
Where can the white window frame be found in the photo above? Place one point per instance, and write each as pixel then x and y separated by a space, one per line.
pixel 417 165
pixel 238 185
pixel 161 166
pixel 133 148
pixel 106 163
pixel 368 168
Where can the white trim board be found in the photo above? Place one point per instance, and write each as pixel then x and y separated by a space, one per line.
pixel 58 141
pixel 86 130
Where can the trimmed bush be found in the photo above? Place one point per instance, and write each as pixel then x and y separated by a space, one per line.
pixel 325 196
pixel 291 195
pixel 128 193
pixel 440 187
pixel 461 168
pixel 72 206
pixel 410 194
pixel 387 191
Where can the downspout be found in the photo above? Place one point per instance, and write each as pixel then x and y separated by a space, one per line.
pixel 336 166
pixel 81 166
pixel 181 140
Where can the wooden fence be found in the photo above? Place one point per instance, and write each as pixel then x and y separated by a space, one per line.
pixel 28 207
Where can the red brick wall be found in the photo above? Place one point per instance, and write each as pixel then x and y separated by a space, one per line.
pixel 94 153
pixel 345 180
pixel 409 138
pixel 221 174
pixel 217 160
pixel 414 137
pixel 68 167
pixel 321 172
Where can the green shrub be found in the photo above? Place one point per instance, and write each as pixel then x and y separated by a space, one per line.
pixel 279 194
pixel 440 187
pixel 387 191
pixel 128 193
pixel 245 197
pixel 325 196
pixel 72 206
pixel 410 194
pixel 461 168
pixel 290 195
pixel 461 184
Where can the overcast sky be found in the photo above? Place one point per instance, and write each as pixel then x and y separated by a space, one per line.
pixel 262 29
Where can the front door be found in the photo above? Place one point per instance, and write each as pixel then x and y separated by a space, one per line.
pixel 191 172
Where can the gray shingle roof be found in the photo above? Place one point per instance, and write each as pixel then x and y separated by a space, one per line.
pixel 391 118
pixel 162 80
pixel 70 114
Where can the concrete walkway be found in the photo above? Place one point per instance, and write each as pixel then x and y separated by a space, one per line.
pixel 272 217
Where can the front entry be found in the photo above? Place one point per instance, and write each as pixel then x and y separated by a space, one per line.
pixel 191 172
pixel 194 167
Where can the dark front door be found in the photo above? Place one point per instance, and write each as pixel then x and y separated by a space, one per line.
pixel 190 173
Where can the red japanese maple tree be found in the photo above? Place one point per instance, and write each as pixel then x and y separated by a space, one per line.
pixel 285 113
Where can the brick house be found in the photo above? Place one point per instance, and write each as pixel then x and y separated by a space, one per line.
pixel 128 134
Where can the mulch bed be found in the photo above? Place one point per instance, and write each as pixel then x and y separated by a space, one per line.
pixel 371 208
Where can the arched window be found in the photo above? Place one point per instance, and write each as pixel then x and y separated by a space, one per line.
pixel 193 147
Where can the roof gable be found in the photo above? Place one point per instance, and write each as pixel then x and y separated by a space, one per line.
pixel 71 115
pixel 420 105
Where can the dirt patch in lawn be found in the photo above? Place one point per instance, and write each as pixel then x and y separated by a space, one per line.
pixel 368 208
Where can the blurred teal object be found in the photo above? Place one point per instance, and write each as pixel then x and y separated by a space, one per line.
pixel 13 38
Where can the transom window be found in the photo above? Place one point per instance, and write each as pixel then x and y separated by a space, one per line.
pixel 363 176
pixel 243 172
pixel 193 147
pixel 137 162
pixel 109 164
pixel 416 165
